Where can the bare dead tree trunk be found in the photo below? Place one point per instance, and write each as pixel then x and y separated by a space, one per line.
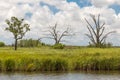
pixel 96 31
pixel 57 35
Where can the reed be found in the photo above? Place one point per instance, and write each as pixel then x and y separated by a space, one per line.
pixel 47 59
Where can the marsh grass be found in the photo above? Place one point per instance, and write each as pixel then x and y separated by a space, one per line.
pixel 9 64
pixel 47 59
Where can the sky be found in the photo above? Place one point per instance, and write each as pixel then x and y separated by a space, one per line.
pixel 41 14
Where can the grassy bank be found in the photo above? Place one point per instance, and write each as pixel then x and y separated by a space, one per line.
pixel 46 59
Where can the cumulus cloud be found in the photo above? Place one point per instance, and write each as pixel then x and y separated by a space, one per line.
pixel 104 3
pixel 69 14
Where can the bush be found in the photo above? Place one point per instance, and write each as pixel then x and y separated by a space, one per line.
pixel 104 45
pixel 2 44
pixel 58 46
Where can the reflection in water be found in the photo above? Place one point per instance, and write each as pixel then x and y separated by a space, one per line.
pixel 60 76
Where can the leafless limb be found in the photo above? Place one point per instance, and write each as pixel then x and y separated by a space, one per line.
pixel 57 35
pixel 96 31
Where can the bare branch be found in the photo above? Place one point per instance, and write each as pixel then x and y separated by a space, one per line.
pixel 102 25
pixel 102 32
pixel 98 22
pixel 91 38
pixel 56 35
pixel 105 36
pixel 91 27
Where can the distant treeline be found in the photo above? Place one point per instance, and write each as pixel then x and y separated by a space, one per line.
pixel 37 43
pixel 30 43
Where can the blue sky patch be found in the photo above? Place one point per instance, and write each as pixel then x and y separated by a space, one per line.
pixel 116 7
pixel 81 3
pixel 28 15
pixel 51 7
pixel 20 3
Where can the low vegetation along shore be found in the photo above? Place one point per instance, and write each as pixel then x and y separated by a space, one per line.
pixel 47 59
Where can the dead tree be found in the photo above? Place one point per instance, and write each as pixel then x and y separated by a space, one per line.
pixel 96 33
pixel 57 35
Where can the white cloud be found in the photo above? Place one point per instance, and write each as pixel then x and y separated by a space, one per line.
pixel 104 3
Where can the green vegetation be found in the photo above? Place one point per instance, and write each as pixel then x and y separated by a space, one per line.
pixel 30 43
pixel 58 46
pixel 2 44
pixel 18 28
pixel 104 45
pixel 47 59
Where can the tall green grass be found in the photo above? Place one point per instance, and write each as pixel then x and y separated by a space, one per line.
pixel 47 59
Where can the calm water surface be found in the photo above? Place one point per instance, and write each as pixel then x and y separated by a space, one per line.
pixel 61 76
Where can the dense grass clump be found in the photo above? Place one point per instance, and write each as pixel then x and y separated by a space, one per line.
pixel 47 59
pixel 9 64
pixel 0 65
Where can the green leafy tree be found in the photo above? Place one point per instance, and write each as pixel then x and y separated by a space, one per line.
pixel 18 28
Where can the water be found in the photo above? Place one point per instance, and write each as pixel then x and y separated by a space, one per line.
pixel 61 76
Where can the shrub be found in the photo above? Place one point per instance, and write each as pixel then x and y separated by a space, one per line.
pixel 104 45
pixel 58 46
pixel 2 44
